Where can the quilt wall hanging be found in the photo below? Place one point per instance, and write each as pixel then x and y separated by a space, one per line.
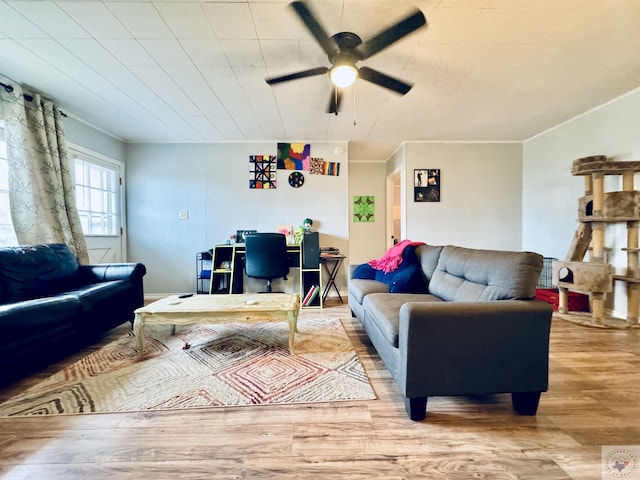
pixel 364 208
pixel 294 156
pixel 262 171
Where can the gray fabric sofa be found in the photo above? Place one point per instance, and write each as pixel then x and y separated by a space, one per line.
pixel 474 329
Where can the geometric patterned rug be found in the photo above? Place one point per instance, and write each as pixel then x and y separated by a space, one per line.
pixel 224 365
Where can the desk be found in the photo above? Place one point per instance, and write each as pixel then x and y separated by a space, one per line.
pixel 228 266
pixel 332 263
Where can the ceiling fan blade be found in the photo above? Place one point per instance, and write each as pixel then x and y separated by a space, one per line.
pixel 335 101
pixel 392 34
pixel 379 78
pixel 319 33
pixel 294 76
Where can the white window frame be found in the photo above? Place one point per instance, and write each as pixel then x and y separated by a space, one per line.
pixel 77 151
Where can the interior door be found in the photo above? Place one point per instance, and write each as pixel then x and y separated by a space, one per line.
pixel 100 201
pixel 394 208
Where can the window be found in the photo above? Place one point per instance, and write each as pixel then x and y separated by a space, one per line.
pixel 97 197
pixel 7 234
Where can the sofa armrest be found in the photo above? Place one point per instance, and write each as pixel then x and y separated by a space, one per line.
pixel 351 269
pixel 107 272
pixel 458 348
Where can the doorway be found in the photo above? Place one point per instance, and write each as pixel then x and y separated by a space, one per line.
pixel 394 208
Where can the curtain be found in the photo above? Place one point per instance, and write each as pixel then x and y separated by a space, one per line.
pixel 41 190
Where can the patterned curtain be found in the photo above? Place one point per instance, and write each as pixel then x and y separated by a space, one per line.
pixel 41 191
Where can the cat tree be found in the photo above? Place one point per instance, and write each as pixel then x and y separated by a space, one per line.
pixel 596 210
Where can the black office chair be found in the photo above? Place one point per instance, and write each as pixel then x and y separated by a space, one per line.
pixel 266 257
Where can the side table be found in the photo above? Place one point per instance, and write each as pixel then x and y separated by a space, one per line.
pixel 332 263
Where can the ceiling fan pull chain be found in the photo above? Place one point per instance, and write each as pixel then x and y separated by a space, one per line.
pixel 354 104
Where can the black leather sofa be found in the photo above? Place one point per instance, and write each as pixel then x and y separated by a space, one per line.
pixel 50 305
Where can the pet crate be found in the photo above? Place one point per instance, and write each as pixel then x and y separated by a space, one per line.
pixel 545 291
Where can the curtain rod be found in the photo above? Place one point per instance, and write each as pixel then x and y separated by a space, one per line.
pixel 27 97
pixel 8 88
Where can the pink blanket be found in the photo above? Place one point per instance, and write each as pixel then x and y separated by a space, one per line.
pixel 392 259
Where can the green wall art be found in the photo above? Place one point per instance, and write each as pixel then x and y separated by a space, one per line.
pixel 363 208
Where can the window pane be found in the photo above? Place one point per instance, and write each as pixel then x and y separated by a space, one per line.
pixel 97 196
pixel 5 213
pixel 109 223
pixel 84 221
pixel 7 233
pixel 3 145
pixel 94 176
pixel 79 169
pixel 96 200
pixel 82 197
pixel 4 171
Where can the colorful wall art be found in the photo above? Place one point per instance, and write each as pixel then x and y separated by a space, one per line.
pixel 294 156
pixel 426 185
pixel 262 171
pixel 318 166
pixel 332 168
pixel 363 208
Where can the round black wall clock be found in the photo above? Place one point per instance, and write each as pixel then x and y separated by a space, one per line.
pixel 296 179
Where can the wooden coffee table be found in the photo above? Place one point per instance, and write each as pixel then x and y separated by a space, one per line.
pixel 248 308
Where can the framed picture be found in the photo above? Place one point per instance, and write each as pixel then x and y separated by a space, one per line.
pixel 426 185
pixel 364 208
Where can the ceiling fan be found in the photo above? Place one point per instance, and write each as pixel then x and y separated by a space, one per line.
pixel 346 49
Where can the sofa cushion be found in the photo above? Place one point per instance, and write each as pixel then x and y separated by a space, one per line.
pixel 383 310
pixel 37 271
pixel 468 275
pixel 360 288
pixel 101 296
pixel 24 320
pixel 428 256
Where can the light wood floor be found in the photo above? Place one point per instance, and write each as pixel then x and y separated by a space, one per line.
pixel 593 400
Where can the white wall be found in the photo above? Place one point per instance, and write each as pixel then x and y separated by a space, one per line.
pixel 481 195
pixel 211 182
pixel 551 193
pixel 367 239
pixel 82 134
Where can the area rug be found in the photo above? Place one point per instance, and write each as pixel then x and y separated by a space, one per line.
pixel 204 366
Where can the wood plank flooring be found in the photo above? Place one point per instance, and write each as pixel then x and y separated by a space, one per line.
pixel 593 400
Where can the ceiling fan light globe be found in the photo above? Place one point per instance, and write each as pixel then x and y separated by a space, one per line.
pixel 343 76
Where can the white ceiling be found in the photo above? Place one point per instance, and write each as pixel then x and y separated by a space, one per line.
pixel 193 71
